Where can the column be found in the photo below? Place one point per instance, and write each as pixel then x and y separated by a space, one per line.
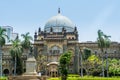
pixel 45 48
pixel 76 59
pixel 64 46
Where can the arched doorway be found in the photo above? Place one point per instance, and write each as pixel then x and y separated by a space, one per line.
pixel 54 73
pixel 53 69
pixel 24 70
pixel 13 71
pixel 84 71
pixel 6 72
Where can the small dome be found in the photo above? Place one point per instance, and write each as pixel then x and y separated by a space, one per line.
pixel 58 22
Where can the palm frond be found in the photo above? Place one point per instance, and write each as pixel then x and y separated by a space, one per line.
pixel 27 40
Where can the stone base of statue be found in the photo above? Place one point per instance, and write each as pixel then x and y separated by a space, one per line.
pixel 31 66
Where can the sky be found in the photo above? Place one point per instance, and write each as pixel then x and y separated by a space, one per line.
pixel 88 15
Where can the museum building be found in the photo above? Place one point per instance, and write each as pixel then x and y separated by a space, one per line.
pixel 59 35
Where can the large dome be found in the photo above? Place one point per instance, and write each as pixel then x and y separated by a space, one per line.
pixel 58 22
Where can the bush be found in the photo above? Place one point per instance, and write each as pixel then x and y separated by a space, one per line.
pixel 3 78
pixel 87 78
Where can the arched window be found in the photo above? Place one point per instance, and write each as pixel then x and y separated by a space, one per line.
pixel 55 50
pixel 69 37
pixel 115 51
pixel 72 37
pixel 41 38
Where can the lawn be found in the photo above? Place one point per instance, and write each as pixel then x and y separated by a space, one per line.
pixel 85 78
pixel 77 77
pixel 3 78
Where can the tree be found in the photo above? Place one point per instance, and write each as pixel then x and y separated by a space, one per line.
pixel 16 52
pixel 87 53
pixel 64 63
pixel 114 68
pixel 2 43
pixel 42 62
pixel 101 45
pixel 2 36
pixel 94 65
pixel 107 45
pixel 26 43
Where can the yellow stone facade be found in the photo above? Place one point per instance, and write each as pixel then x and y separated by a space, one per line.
pixel 59 35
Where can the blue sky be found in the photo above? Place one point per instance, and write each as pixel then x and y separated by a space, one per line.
pixel 88 15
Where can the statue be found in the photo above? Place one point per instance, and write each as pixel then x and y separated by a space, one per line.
pixel 31 63
pixel 31 51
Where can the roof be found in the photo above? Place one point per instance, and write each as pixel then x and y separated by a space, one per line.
pixel 58 22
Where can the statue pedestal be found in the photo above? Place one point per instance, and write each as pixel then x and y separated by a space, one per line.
pixel 31 66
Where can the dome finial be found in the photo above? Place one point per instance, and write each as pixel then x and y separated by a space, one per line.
pixel 58 10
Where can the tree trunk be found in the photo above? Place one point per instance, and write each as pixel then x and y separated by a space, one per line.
pixel 107 64
pixel 15 65
pixel 103 65
pixel 81 65
pixel 64 77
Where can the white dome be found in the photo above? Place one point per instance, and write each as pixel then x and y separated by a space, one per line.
pixel 58 22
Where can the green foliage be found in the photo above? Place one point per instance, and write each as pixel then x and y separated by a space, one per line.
pixel 100 40
pixel 75 77
pixel 16 52
pixel 65 58
pixel 26 42
pixel 103 43
pixel 42 62
pixel 114 67
pixel 16 49
pixel 2 36
pixel 64 62
pixel 94 65
pixel 103 40
pixel 3 78
pixel 94 59
pixel 19 68
pixel 86 54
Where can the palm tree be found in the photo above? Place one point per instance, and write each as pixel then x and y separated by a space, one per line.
pixel 2 43
pixel 26 43
pixel 107 45
pixel 16 52
pixel 101 45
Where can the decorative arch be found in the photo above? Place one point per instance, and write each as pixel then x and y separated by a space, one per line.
pixel 84 71
pixel 40 51
pixel 13 71
pixel 6 71
pixel 55 49
pixel 55 45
